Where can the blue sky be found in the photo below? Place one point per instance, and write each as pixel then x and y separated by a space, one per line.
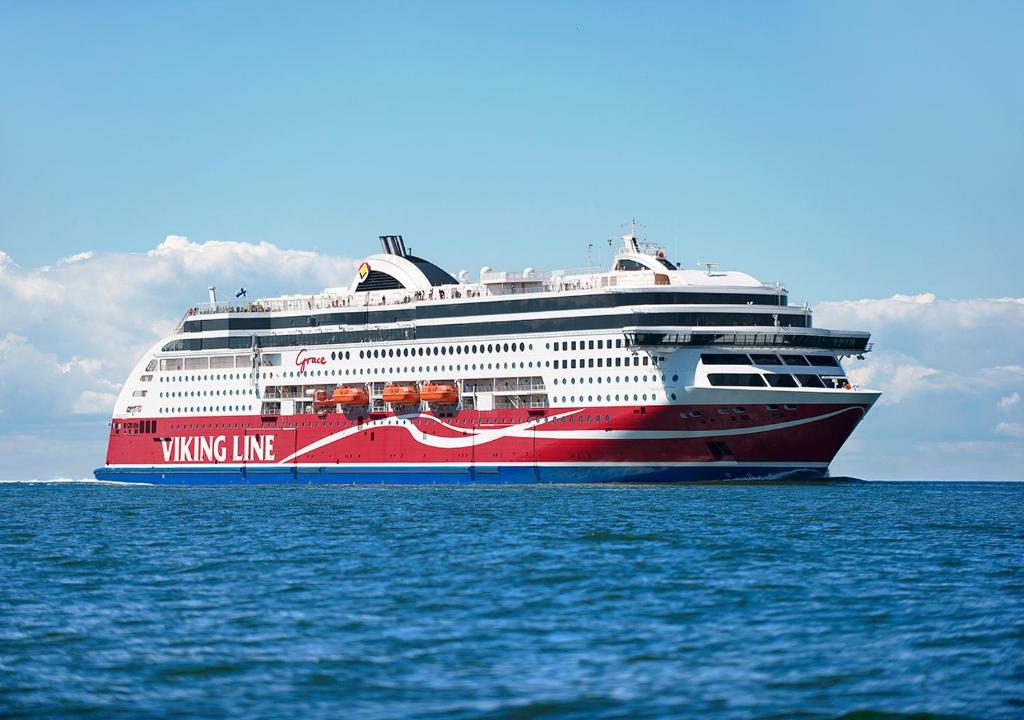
pixel 852 150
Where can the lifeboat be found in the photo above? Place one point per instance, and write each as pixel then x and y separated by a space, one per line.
pixel 321 401
pixel 353 396
pixel 401 394
pixel 440 393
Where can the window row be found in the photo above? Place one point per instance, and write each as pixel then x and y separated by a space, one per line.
pixel 133 427
pixel 583 345
pixel 608 379
pixel 570 364
pixel 440 350
pixel 208 408
pixel 637 397
pixel 204 378
pixel 777 381
pixel 565 326
pixel 207 393
pixel 768 359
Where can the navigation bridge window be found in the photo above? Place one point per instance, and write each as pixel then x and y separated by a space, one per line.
pixel 736 380
pixel 724 359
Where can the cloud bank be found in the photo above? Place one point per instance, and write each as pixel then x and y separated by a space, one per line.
pixel 70 332
pixel 952 370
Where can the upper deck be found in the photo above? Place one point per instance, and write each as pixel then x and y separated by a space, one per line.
pixel 399 297
pixel 391 280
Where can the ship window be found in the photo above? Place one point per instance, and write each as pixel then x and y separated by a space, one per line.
pixel 811 381
pixel 823 361
pixel 626 264
pixel 780 380
pixel 794 360
pixel 724 359
pixel 766 359
pixel 736 380
pixel 719 450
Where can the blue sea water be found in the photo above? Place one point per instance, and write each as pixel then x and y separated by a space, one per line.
pixel 812 601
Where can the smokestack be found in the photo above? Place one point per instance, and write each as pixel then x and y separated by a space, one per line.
pixel 393 245
pixel 213 294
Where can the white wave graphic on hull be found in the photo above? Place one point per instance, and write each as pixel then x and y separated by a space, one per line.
pixel 470 438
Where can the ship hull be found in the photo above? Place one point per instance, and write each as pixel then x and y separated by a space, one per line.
pixel 644 444
pixel 452 475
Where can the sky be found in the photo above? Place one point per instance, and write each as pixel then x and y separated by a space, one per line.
pixel 869 155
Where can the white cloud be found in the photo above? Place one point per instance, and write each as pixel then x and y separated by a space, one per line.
pixel 1008 401
pixel 923 310
pixel 90 402
pixel 897 376
pixel 1011 429
pixel 77 257
pixel 944 367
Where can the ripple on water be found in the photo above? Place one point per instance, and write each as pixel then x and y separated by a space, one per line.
pixel 823 601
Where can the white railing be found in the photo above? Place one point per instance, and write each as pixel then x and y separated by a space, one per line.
pixel 493 284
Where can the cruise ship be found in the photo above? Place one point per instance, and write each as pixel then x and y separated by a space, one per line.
pixel 647 372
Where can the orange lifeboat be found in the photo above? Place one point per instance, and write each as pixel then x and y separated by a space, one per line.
pixel 440 393
pixel 346 395
pixel 321 401
pixel 401 394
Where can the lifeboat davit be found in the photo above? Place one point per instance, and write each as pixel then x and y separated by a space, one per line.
pixel 440 393
pixel 352 396
pixel 401 394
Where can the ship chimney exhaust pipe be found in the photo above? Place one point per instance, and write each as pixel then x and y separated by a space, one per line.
pixel 393 245
pixel 213 294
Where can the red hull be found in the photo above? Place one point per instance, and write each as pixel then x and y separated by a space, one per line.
pixel 806 434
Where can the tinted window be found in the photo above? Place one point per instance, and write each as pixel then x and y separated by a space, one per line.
pixel 631 265
pixel 736 380
pixel 780 380
pixel 766 359
pixel 724 359
pixel 811 381
pixel 823 361
pixel 794 360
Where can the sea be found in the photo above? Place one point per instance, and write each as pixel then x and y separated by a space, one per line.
pixel 829 600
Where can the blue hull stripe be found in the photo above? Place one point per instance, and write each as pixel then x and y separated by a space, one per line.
pixel 448 475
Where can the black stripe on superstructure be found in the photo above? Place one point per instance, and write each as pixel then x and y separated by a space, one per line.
pixel 562 325
pixel 593 302
pixel 243 321
pixel 453 311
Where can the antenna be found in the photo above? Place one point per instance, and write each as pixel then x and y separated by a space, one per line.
pixel 708 266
